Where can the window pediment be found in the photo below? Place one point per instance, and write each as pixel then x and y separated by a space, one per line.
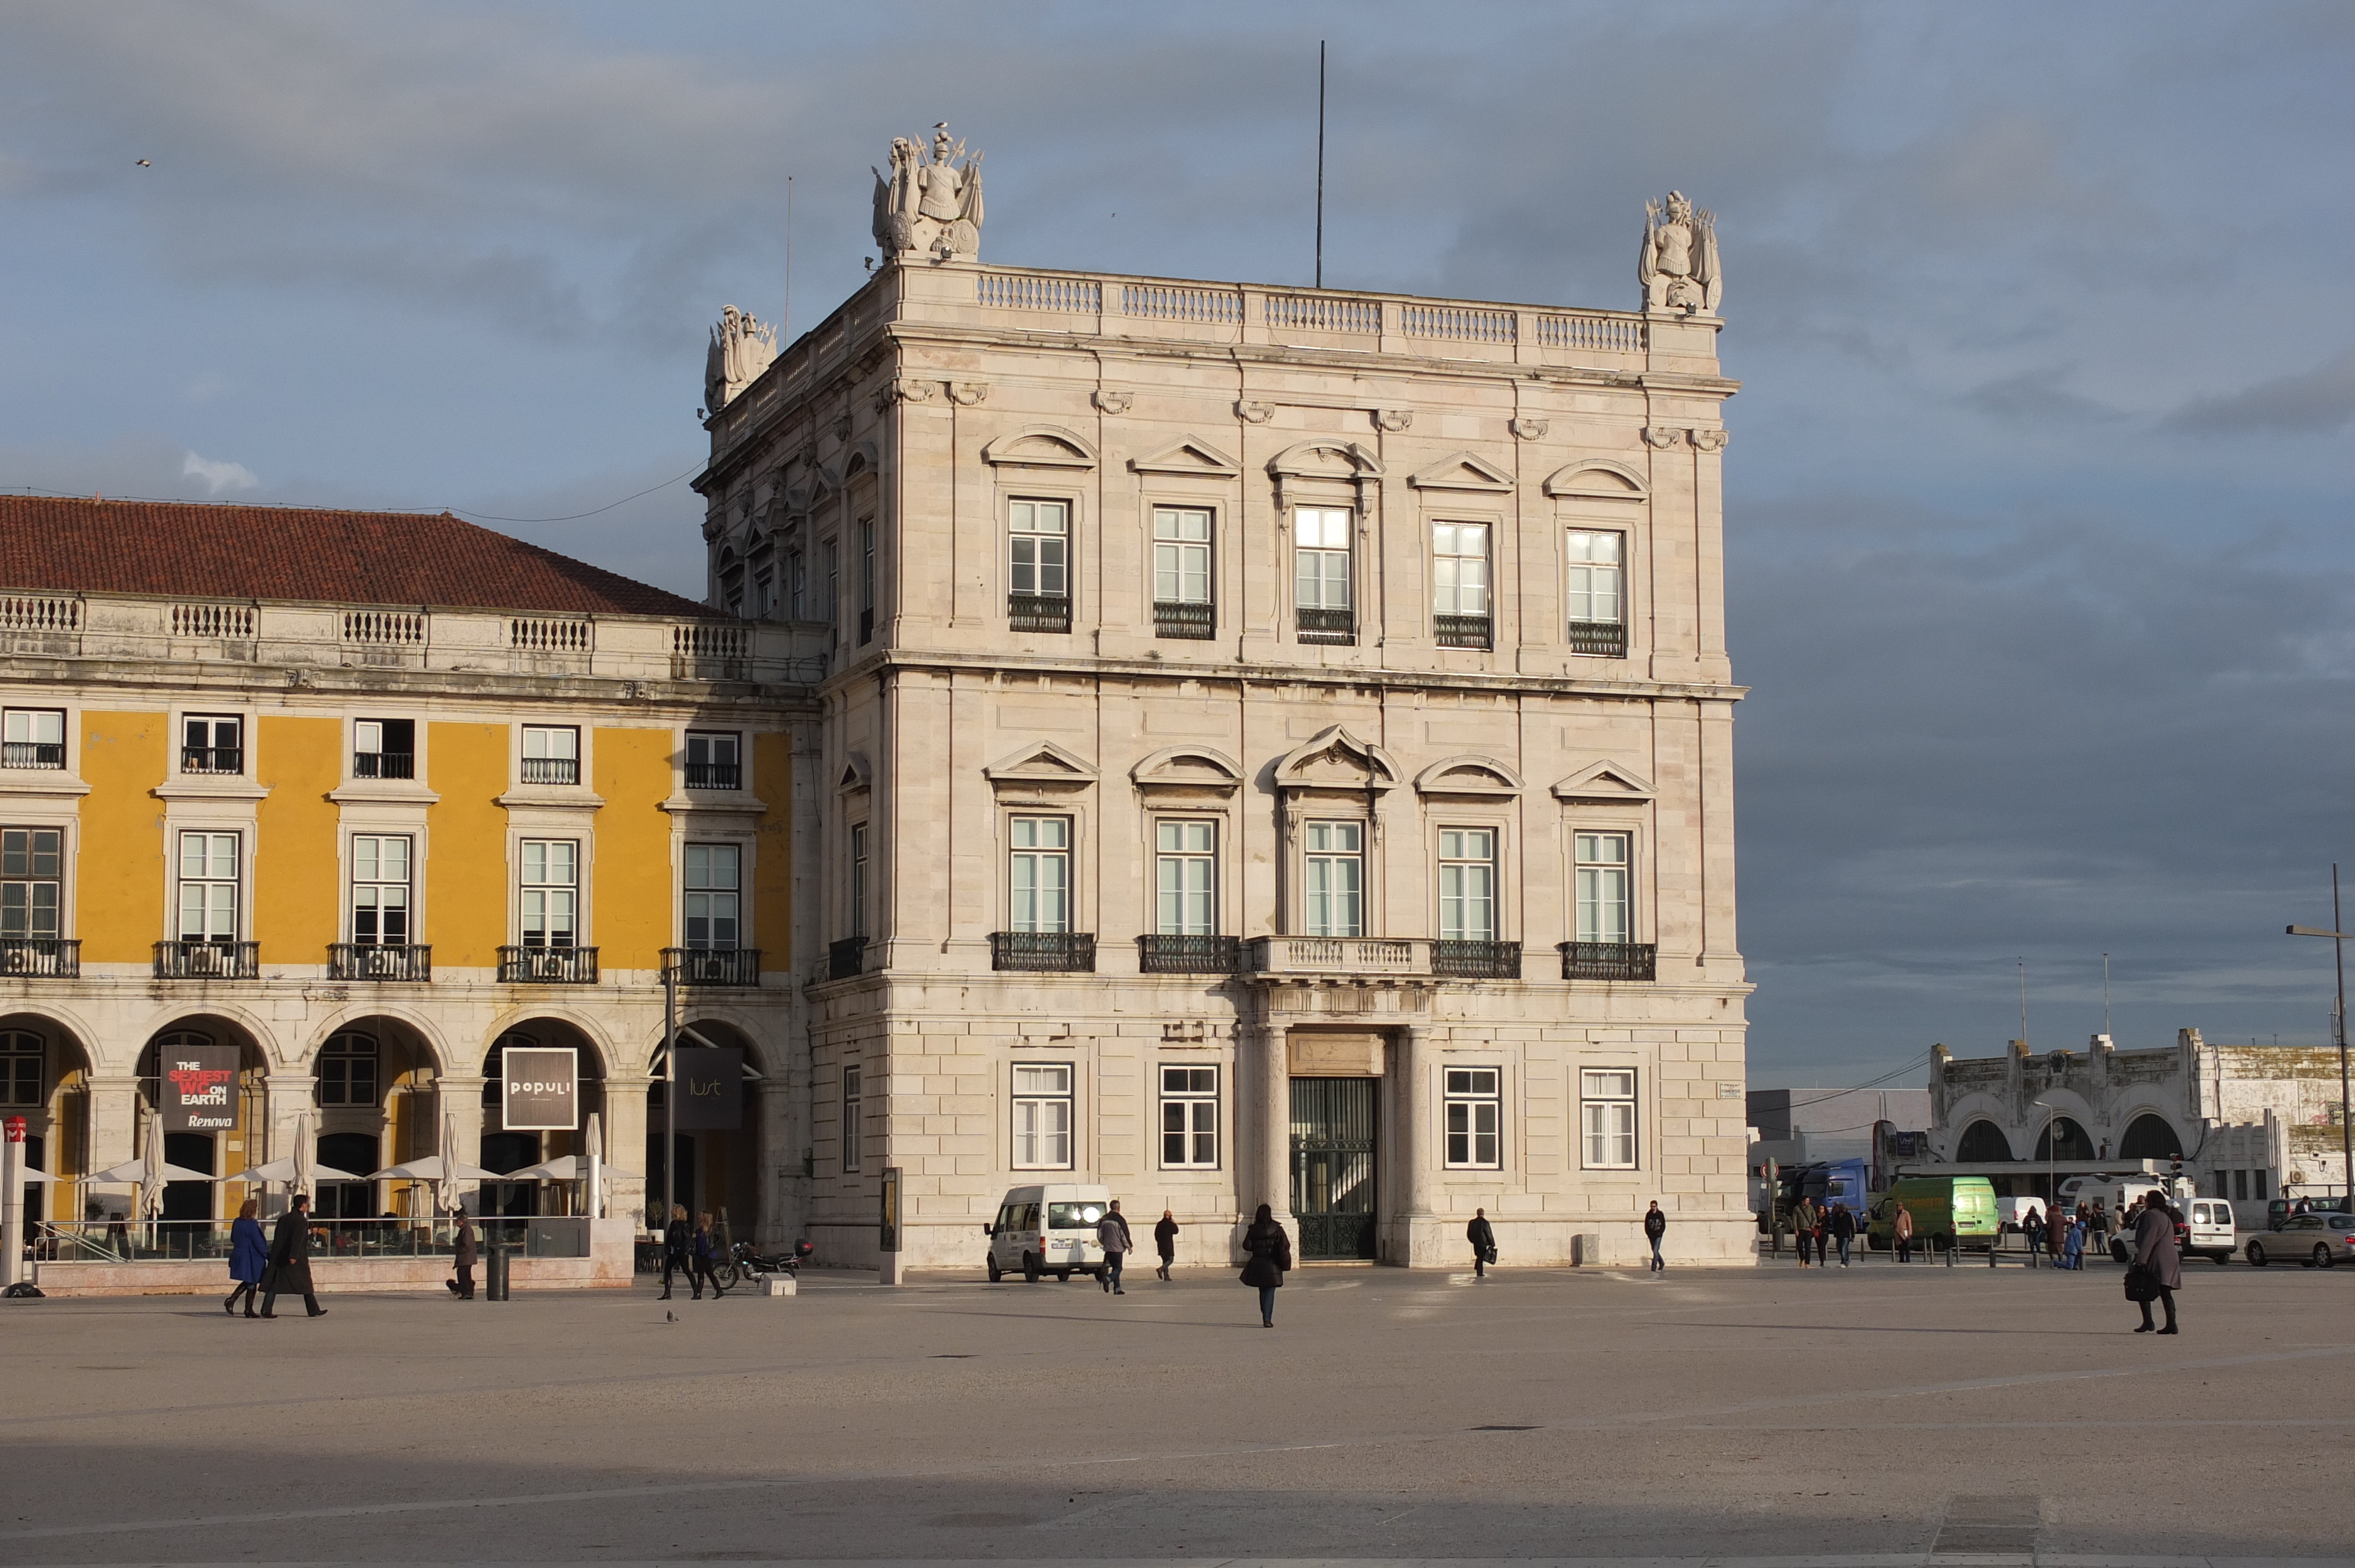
pixel 1188 768
pixel 1335 759
pixel 857 774
pixel 1041 446
pixel 1604 780
pixel 1190 456
pixel 1464 471
pixel 1042 763
pixel 1325 460
pixel 1596 479
pixel 1469 776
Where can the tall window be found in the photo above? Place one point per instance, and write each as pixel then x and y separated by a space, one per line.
pixel 1181 572
pixel 347 1070
pixel 32 737
pixel 865 579
pixel 381 889
pixel 1601 877
pixel 212 743
pixel 1335 903
pixel 714 760
pixel 714 886
pixel 857 880
pixel 31 868
pixel 1039 566
pixel 1459 568
pixel 551 753
pixel 1041 879
pixel 1042 1115
pixel 831 550
pixel 1320 566
pixel 208 884
pixel 384 749
pixel 550 904
pixel 1186 859
pixel 1596 592
pixel 796 586
pixel 1190 1118
pixel 1467 884
pixel 851 1098
pixel 1475 1110
pixel 21 1063
pixel 1607 1109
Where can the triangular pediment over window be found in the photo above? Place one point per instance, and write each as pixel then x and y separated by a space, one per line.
pixel 1604 780
pixel 1041 762
pixel 1041 446
pixel 1191 455
pixel 1464 471
pixel 1596 479
pixel 1468 775
pixel 856 774
pixel 1335 759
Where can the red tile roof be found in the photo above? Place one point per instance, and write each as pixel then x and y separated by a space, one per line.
pixel 175 548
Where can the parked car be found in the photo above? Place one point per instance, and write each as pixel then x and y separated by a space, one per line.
pixel 1049 1229
pixel 2316 1241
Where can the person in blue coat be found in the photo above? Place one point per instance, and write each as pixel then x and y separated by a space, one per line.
pixel 248 1254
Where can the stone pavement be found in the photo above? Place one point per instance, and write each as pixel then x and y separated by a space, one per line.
pixel 1880 1416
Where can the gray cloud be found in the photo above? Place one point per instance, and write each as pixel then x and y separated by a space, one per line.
pixel 2310 402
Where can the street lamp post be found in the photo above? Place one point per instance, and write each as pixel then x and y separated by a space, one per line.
pixel 2346 1123
pixel 2052 1156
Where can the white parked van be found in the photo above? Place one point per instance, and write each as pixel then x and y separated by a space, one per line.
pixel 2210 1223
pixel 1047 1229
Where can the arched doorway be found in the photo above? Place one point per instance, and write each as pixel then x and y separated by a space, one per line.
pixel 503 1148
pixel 223 1154
pixel 716 1168
pixel 2062 1139
pixel 371 1083
pixel 2150 1136
pixel 1983 1144
pixel 45 1078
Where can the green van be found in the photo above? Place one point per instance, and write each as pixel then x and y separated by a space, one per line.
pixel 1962 1207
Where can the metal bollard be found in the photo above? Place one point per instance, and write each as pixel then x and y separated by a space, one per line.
pixel 495 1272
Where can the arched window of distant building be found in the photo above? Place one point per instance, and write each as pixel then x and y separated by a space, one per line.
pixel 2063 1139
pixel 1983 1143
pixel 2150 1136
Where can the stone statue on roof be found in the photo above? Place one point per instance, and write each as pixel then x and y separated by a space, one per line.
pixel 930 202
pixel 742 346
pixel 1678 264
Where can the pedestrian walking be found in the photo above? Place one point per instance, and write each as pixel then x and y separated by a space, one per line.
pixel 2098 1235
pixel 1112 1236
pixel 289 1260
pixel 1802 1225
pixel 463 1260
pixel 1483 1237
pixel 2073 1243
pixel 676 1241
pixel 1842 1225
pixel 704 1254
pixel 2056 1226
pixel 1268 1249
pixel 2032 1227
pixel 1165 1241
pixel 1823 1232
pixel 1655 1226
pixel 248 1256
pixel 2154 1253
pixel 1901 1231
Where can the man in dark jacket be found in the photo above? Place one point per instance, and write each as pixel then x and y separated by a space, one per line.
pixel 1655 1225
pixel 1842 1225
pixel 289 1260
pixel 2155 1249
pixel 677 1237
pixel 1165 1241
pixel 1483 1238
pixel 463 1287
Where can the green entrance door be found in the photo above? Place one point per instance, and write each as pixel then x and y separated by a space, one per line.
pixel 1333 1165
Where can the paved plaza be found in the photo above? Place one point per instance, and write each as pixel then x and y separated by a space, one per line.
pixel 1882 1414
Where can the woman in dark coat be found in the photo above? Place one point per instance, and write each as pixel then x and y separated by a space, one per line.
pixel 2155 1249
pixel 1270 1251
pixel 461 1258
pixel 248 1254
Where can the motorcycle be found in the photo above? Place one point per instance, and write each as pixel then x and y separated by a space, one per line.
pixel 745 1265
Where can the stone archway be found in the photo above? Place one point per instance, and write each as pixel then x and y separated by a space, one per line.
pixel 718 1169
pixel 2150 1136
pixel 44 1072
pixel 2063 1138
pixel 216 1154
pixel 502 1148
pixel 371 1106
pixel 1983 1143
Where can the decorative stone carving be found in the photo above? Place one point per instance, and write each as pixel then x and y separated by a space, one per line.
pixel 841 426
pixel 1252 413
pixel 741 347
pixel 965 394
pixel 930 202
pixel 1662 436
pixel 1711 440
pixel 1393 419
pixel 1678 264
pixel 1529 429
pixel 903 390
pixel 1111 400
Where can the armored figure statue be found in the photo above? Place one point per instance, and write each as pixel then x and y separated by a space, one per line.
pixel 930 202
pixel 1677 265
pixel 741 347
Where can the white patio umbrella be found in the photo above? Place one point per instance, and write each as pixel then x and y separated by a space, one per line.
pixel 434 1169
pixel 445 1192
pixel 151 1171
pixel 306 1160
pixel 592 1141
pixel 284 1170
pixel 130 1172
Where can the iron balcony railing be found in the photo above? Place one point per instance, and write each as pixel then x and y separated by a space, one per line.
pixel 1599 639
pixel 1334 626
pixel 845 958
pixel 380 961
pixel 1197 623
pixel 1609 961
pixel 712 966
pixel 196 958
pixel 551 770
pixel 41 958
pixel 1476 960
pixel 1044 952
pixel 384 765
pixel 1038 612
pixel 548 966
pixel 1159 955
pixel 212 760
pixel 1462 630
pixel 714 775
pixel 32 754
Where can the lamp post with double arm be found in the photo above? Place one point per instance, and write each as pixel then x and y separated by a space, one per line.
pixel 2346 1123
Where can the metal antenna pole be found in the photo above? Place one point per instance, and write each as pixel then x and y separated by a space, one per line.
pixel 2106 993
pixel 2346 1127
pixel 787 335
pixel 2023 1001
pixel 1320 162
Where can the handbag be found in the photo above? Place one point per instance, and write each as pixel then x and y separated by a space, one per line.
pixel 2142 1284
pixel 1488 1253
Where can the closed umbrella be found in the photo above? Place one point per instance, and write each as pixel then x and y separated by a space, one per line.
pixel 151 1170
pixel 592 1139
pixel 305 1159
pixel 446 1189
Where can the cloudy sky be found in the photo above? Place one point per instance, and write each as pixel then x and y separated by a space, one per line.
pixel 2039 497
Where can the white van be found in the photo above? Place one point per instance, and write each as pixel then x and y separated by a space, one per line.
pixel 2210 1220
pixel 1049 1229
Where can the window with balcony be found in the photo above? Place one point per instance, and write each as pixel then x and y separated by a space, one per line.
pixel 549 896
pixel 714 759
pixel 866 580
pixel 1181 573
pixel 1190 1118
pixel 851 1128
pixel 1040 875
pixel 551 753
pixel 1334 879
pixel 1185 938
pixel 347 1070
pixel 1473 1107
pixel 1042 1115
pixel 384 749
pixel 208 886
pixel 712 897
pixel 380 886
pixel 212 743
pixel 857 887
pixel 1459 580
pixel 32 737
pixel 1608 1117
pixel 1039 566
pixel 23 1068
pixel 1603 920
pixel 1467 946
pixel 1596 593
pixel 830 553
pixel 1321 545
pixel 796 586
pixel 32 868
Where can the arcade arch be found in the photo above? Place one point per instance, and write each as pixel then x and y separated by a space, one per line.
pixel 1983 1143
pixel 45 1078
pixel 505 1149
pixel 718 1168
pixel 214 1153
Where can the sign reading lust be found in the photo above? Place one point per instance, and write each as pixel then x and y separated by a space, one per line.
pixel 199 1088
pixel 711 1082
